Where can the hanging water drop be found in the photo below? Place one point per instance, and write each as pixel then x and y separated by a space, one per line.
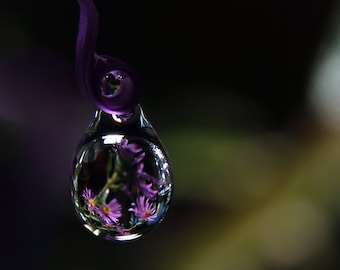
pixel 121 177
pixel 122 181
pixel 113 82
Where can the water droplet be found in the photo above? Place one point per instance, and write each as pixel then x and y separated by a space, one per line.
pixel 121 179
pixel 113 81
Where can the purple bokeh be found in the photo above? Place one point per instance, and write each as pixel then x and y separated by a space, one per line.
pixel 43 116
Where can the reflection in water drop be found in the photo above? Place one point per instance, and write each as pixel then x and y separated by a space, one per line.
pixel 121 178
pixel 113 81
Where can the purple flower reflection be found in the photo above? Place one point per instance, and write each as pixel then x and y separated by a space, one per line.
pixel 143 209
pixel 109 212
pixel 90 199
pixel 148 190
pixel 144 178
pixel 129 152
pixel 122 231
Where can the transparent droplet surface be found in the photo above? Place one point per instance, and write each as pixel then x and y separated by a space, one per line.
pixel 121 179
pixel 113 81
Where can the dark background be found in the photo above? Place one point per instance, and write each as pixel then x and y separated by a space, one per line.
pixel 217 76
pixel 262 50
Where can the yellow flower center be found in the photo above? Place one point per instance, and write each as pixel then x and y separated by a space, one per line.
pixel 105 210
pixel 147 213
pixel 91 202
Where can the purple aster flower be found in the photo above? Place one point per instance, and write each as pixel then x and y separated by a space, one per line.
pixel 129 152
pixel 109 212
pixel 147 190
pixel 90 199
pixel 146 182
pixel 143 209
pixel 143 175
pixel 142 183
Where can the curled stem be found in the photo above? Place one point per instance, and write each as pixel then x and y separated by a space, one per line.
pixel 96 72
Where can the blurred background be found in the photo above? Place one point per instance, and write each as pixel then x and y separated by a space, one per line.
pixel 246 98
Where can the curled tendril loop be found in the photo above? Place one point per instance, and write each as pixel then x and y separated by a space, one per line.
pixel 108 82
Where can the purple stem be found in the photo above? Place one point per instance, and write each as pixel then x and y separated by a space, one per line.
pixel 91 69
